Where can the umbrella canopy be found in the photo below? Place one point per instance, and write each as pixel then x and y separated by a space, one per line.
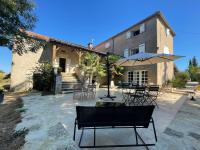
pixel 146 59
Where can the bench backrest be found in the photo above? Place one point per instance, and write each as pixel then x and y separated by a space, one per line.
pixel 114 116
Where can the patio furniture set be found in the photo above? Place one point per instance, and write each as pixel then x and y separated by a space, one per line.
pixel 84 92
pixel 139 94
pixel 135 111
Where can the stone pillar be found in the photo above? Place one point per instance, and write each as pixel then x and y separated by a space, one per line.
pixel 58 84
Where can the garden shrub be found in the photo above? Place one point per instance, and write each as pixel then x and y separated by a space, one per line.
pixel 180 80
pixel 43 77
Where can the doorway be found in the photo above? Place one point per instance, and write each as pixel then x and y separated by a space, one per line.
pixel 62 64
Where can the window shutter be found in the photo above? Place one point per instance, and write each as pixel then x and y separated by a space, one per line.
pixel 141 48
pixel 128 35
pixel 166 50
pixel 107 45
pixel 126 52
pixel 142 28
pixel 167 31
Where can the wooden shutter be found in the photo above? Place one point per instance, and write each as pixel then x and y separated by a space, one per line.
pixel 126 52
pixel 141 48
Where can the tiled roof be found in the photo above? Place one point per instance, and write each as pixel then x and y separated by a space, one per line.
pixel 62 42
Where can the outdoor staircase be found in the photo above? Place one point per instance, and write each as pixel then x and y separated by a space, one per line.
pixel 68 82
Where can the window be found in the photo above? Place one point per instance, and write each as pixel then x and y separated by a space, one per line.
pixel 142 48
pixel 130 77
pixel 128 35
pixel 142 28
pixel 167 31
pixel 126 52
pixel 135 33
pixel 144 79
pixel 139 77
pixel 133 51
pixel 166 50
pixel 107 45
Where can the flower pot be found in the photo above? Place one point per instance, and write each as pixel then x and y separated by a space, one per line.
pixel 1 98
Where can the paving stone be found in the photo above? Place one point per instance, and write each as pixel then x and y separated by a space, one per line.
pixel 35 127
pixel 172 132
pixel 57 131
pixel 194 135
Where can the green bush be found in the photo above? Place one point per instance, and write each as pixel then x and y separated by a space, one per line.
pixel 180 80
pixel 43 77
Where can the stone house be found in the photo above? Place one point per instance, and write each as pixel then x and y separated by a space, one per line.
pixel 66 54
pixel 151 35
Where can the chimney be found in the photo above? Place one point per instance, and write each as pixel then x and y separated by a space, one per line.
pixel 90 46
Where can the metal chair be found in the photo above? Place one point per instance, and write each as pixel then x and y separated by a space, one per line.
pixel 138 98
pixel 91 91
pixel 79 92
pixel 152 95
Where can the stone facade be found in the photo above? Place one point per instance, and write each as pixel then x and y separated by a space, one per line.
pixel 23 67
pixel 155 35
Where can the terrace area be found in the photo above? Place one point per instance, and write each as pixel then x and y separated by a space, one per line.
pixel 50 120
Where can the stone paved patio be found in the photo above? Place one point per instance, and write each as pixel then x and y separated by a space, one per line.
pixel 44 115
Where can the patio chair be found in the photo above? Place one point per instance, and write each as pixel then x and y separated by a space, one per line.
pixel 125 86
pixel 114 117
pixel 91 91
pixel 152 95
pixel 138 98
pixel 79 92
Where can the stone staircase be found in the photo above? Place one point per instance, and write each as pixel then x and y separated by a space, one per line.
pixel 68 82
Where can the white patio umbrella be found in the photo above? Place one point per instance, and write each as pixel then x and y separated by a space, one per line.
pixel 146 59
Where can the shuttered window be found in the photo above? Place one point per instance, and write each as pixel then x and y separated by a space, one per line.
pixel 142 28
pixel 142 48
pixel 126 52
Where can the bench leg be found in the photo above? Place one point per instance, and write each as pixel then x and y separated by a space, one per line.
pixel 136 135
pixel 74 130
pixel 154 129
pixel 94 136
pixel 79 144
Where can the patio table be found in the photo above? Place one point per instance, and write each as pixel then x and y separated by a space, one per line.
pixel 109 104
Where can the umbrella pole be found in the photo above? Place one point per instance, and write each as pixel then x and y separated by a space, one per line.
pixel 108 80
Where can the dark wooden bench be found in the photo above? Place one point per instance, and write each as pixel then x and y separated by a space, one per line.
pixel 114 117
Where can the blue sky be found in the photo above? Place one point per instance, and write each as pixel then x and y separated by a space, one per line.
pixel 80 21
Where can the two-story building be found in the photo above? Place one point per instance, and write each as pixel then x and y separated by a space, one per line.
pixel 151 35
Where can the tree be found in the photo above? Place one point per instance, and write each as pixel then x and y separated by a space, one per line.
pixel 91 66
pixel 190 63
pixel 115 69
pixel 194 62
pixel 16 17
pixel 193 69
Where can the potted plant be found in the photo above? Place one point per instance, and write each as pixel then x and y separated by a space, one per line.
pixel 1 95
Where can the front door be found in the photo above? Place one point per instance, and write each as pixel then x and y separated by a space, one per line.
pixel 62 64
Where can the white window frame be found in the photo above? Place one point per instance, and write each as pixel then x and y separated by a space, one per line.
pixel 128 35
pixel 167 31
pixel 142 48
pixel 138 76
pixel 126 52
pixel 166 50
pixel 142 28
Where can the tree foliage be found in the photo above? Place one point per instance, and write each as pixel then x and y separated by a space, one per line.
pixel 115 69
pixel 91 66
pixel 180 80
pixel 193 69
pixel 43 77
pixel 16 17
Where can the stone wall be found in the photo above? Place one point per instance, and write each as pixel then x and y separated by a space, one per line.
pixel 23 67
